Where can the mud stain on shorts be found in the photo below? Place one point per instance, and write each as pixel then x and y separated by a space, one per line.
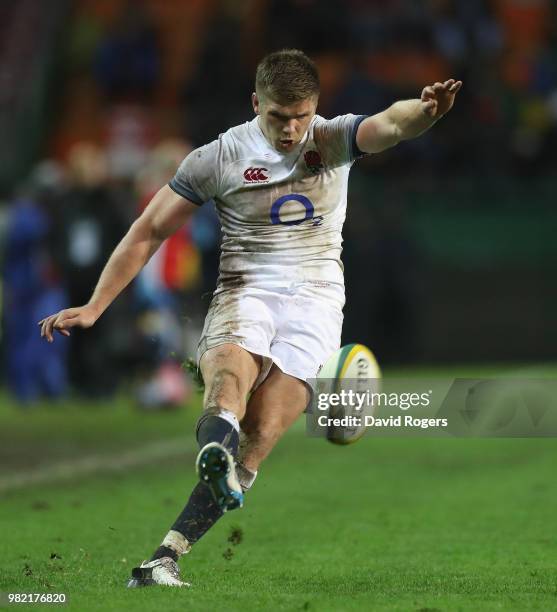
pixel 223 316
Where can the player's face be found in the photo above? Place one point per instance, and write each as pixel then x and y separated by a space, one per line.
pixel 284 125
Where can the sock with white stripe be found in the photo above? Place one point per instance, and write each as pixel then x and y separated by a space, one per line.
pixel 222 428
pixel 201 512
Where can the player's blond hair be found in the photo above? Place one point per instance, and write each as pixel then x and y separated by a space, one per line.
pixel 287 76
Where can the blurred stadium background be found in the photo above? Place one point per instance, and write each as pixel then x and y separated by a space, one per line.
pixel 450 257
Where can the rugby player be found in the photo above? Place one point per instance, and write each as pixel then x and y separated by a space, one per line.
pixel 279 183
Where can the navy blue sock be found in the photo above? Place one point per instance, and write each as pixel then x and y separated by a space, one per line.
pixel 202 512
pixel 212 428
pixel 199 515
pixel 164 551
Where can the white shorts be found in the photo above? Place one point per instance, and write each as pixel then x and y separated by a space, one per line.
pixel 297 327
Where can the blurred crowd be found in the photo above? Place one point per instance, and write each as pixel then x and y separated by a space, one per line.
pixel 57 234
pixel 191 65
pixel 139 84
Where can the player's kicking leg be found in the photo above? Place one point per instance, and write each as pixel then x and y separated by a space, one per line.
pixel 271 410
pixel 229 373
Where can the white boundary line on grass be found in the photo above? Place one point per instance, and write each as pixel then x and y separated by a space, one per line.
pixel 94 464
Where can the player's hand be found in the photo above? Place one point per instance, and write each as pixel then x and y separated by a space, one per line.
pixel 438 99
pixel 63 321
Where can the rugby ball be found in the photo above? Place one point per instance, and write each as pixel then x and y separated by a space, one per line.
pixel 351 373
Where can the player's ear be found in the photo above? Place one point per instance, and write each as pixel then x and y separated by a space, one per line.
pixel 255 103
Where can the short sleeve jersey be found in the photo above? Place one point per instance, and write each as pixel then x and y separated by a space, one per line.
pixel 281 213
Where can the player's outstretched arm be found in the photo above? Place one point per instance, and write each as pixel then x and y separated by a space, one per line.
pixel 164 214
pixel 406 119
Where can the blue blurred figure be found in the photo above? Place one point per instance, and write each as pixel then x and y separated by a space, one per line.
pixel 31 289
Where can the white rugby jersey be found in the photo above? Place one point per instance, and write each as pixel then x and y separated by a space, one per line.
pixel 281 213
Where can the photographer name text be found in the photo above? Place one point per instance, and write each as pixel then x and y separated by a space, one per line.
pixel 370 421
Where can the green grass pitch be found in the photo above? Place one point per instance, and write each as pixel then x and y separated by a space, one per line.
pixel 385 524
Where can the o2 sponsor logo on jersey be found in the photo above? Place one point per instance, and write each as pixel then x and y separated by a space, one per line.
pixel 308 217
pixel 256 175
